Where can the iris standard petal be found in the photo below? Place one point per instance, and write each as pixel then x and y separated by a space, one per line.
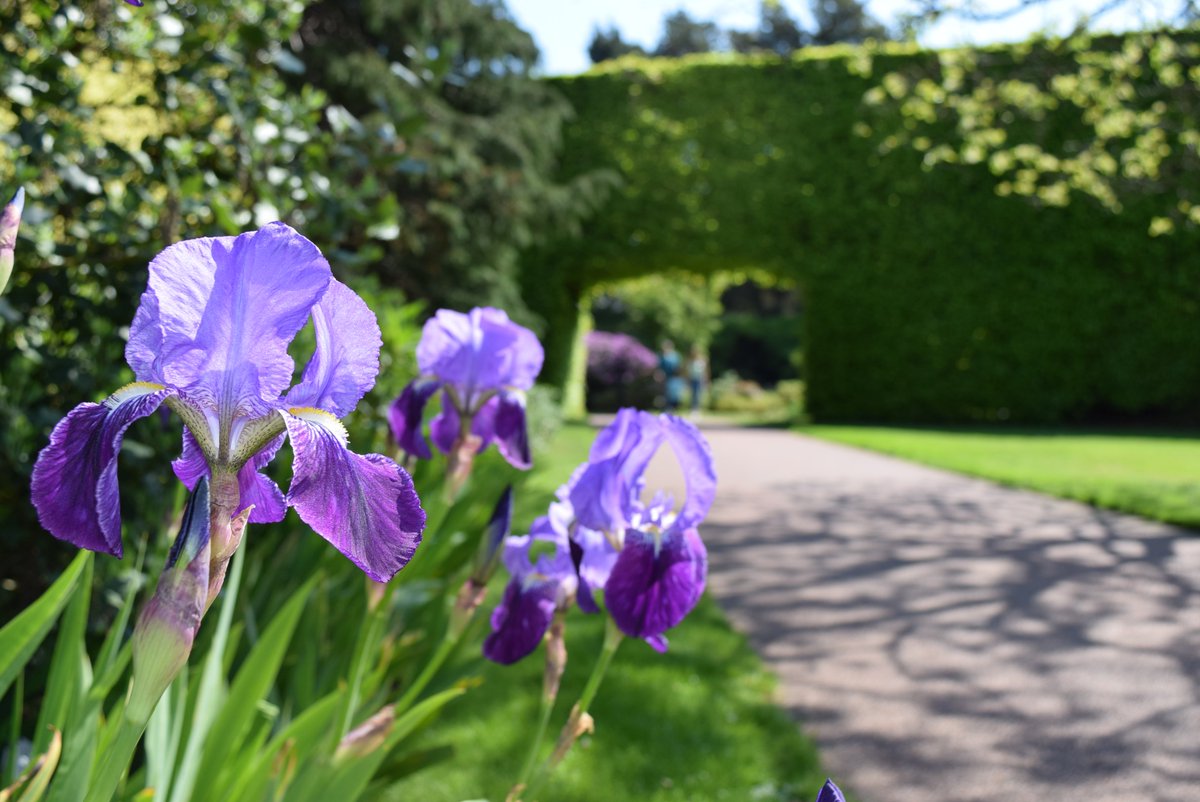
pixel 75 478
pixel 479 351
pixel 699 469
pixel 654 585
pixel 405 415
pixel 830 793
pixel 521 619
pixel 605 492
pixel 253 488
pixel 346 360
pixel 596 558
pixel 364 505
pixel 509 429
pixel 144 349
pixel 227 309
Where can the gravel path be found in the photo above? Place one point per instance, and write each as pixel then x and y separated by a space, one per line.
pixel 945 639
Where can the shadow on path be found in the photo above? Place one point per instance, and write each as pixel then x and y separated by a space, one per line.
pixel 949 640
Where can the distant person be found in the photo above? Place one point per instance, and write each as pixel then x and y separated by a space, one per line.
pixel 697 369
pixel 670 366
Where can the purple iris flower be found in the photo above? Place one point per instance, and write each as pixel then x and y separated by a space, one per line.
pixel 540 585
pixel 210 340
pixel 830 793
pixel 483 363
pixel 647 557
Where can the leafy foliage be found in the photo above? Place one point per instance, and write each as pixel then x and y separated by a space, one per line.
pixel 479 134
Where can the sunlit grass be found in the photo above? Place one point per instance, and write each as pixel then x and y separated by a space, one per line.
pixel 694 724
pixel 1147 473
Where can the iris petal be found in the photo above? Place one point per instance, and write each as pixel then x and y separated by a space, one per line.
pixel 344 365
pixel 253 488
pixel 479 351
pixel 604 493
pixel 653 587
pixel 227 308
pixel 365 506
pixel 405 416
pixel 509 429
pixel 699 469
pixel 830 793
pixel 75 478
pixel 520 620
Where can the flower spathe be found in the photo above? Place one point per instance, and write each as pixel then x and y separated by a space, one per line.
pixel 210 340
pixel 482 363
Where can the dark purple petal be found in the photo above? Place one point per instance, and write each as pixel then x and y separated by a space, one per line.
pixel 520 620
pixel 830 793
pixel 699 469
pixel 479 351
pixel 653 587
pixel 509 429
pixel 405 417
pixel 344 365
pixel 75 477
pixel 364 505
pixel 253 488
pixel 227 307
pixel 446 426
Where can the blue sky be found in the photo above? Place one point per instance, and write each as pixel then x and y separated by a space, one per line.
pixel 563 28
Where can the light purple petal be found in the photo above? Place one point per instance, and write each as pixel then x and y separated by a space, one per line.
pixel 144 350
pixel 830 793
pixel 606 491
pixel 699 469
pixel 657 642
pixel 479 351
pixel 227 307
pixel 253 488
pixel 364 505
pixel 594 558
pixel 75 478
pixel 344 365
pixel 405 415
pixel 509 430
pixel 520 620
pixel 651 589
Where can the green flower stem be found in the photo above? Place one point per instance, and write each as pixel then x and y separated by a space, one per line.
pixel 612 639
pixel 536 747
pixel 114 760
pixel 364 648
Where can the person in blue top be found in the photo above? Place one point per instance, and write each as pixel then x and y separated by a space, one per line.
pixel 670 367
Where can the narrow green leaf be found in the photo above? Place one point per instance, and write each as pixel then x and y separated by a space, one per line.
pixel 65 690
pixel 254 679
pixel 20 637
pixel 301 736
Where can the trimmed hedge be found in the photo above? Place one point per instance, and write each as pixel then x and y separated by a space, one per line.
pixel 930 298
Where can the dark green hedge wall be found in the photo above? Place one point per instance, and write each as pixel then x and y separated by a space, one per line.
pixel 930 297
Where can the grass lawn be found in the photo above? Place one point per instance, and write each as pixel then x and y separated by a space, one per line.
pixel 1153 474
pixel 694 724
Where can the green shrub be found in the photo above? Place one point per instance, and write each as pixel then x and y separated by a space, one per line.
pixel 929 297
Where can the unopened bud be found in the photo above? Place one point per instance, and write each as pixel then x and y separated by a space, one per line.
pixel 10 221
pixel 368 736
pixel 556 655
pixel 166 628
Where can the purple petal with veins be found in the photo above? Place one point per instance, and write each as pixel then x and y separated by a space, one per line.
pixel 74 484
pixel 364 505
pixel 656 581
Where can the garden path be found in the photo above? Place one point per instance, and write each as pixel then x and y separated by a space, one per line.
pixel 945 639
